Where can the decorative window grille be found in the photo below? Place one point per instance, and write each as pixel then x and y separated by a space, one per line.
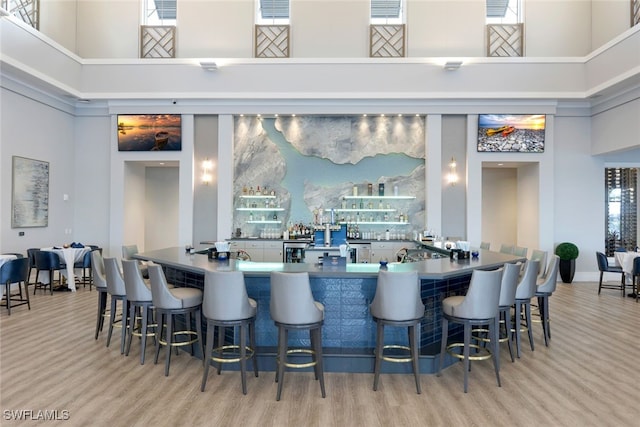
pixel 272 41
pixel 505 28
pixel 386 41
pixel 26 10
pixel 635 12
pixel 157 41
pixel 505 40
pixel 621 207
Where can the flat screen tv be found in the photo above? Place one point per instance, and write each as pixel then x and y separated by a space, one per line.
pixel 149 132
pixel 507 133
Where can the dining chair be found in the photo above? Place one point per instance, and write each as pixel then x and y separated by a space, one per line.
pixel 604 267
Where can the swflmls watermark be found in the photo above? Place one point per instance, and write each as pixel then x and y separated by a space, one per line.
pixel 35 415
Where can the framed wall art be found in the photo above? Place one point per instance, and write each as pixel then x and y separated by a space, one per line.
pixel 149 132
pixel 30 193
pixel 523 133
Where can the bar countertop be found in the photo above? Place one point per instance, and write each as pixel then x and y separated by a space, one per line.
pixel 440 268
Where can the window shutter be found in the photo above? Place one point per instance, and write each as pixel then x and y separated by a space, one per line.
pixel 274 9
pixel 385 8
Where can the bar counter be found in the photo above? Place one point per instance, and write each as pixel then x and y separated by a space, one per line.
pixel 348 333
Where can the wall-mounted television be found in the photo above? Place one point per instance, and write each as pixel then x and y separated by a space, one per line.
pixel 507 133
pixel 149 132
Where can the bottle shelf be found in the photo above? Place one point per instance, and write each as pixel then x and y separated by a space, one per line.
pixel 267 221
pixel 365 210
pixel 374 223
pixel 266 196
pixel 380 197
pixel 261 209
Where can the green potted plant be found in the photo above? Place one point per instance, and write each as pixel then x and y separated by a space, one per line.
pixel 568 252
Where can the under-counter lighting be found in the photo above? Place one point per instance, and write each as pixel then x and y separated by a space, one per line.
pixel 452 65
pixel 207 166
pixel 452 177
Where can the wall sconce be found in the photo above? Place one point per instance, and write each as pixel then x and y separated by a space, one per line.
pixel 452 177
pixel 207 167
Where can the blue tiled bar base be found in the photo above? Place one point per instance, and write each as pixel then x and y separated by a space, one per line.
pixel 349 331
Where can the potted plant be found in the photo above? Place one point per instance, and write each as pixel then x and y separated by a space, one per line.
pixel 568 252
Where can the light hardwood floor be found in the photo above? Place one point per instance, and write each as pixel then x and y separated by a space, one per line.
pixel 588 376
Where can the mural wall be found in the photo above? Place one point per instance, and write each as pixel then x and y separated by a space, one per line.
pixel 303 167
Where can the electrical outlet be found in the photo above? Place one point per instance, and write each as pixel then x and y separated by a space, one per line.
pixel 20 233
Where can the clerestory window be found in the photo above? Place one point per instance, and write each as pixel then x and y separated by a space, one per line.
pixel 272 12
pixel 159 12
pixel 387 12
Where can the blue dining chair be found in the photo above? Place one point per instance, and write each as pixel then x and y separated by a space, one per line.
pixel 15 272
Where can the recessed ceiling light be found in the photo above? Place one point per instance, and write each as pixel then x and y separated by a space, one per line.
pixel 500 164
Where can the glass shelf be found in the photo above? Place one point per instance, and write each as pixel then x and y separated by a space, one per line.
pixel 267 221
pixel 266 196
pixel 261 209
pixel 365 210
pixel 374 223
pixel 380 197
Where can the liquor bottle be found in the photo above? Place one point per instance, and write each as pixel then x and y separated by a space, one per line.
pixel 369 189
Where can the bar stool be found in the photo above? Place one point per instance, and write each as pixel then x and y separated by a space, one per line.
pixel 15 272
pixel 478 307
pixel 139 299
pixel 508 285
pixel 397 303
pixel 293 308
pixel 524 292
pixel 100 282
pixel 226 304
pixel 168 303
pixel 545 288
pixel 118 292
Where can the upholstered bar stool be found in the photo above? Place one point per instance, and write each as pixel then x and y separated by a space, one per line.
pixel 524 292
pixel 478 307
pixel 545 288
pixel 508 285
pixel 541 256
pixel 100 282
pixel 139 300
pixel 397 303
pixel 118 292
pixel 293 308
pixel 168 303
pixel 128 251
pixel 15 272
pixel 226 304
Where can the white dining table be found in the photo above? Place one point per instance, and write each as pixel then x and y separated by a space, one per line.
pixel 3 259
pixel 625 260
pixel 69 256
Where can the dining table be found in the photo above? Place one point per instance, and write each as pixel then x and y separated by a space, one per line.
pixel 625 260
pixel 4 259
pixel 68 256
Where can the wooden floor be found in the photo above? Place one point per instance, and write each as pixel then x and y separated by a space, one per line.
pixel 588 376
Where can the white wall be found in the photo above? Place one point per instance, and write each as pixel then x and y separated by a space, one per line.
pixel 222 28
pixel 32 129
pixel 578 192
pixel 329 28
pixel 453 198
pixel 161 195
pixel 609 18
pixel 499 207
pixel 616 128
pixel 528 206
pixel 436 28
pixel 557 28
pixel 446 28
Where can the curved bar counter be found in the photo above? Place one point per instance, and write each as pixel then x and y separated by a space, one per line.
pixel 349 331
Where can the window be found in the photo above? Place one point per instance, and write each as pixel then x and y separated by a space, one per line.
pixel 387 11
pixel 621 209
pixel 504 12
pixel 274 12
pixel 159 12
